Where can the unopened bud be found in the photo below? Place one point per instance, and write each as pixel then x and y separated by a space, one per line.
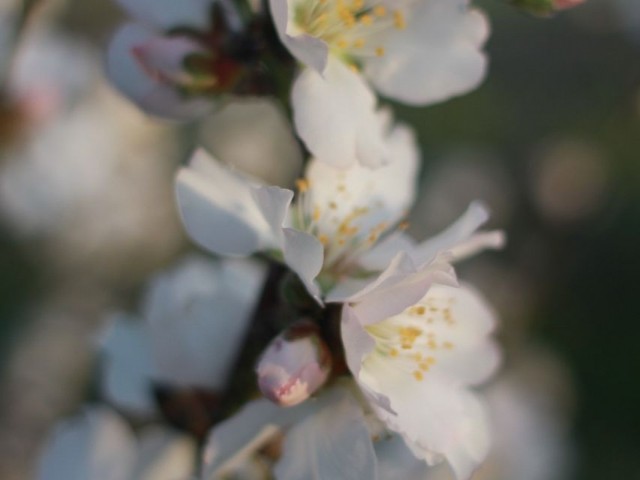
pixel 545 8
pixel 294 365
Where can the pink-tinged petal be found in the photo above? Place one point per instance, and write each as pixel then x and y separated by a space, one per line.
pixel 332 443
pixel 169 14
pixel 335 115
pixel 96 444
pixel 163 58
pixel 144 87
pixel 218 209
pixel 304 254
pixel 436 56
pixel 309 50
pixel 294 365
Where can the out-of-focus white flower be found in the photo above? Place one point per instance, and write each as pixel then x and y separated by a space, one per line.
pixel 415 367
pixel 84 174
pixel 195 316
pixel 327 437
pixel 294 365
pixel 99 445
pixel 342 232
pixel 530 435
pixel 415 51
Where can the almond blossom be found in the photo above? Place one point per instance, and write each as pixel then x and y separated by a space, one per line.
pixel 417 52
pixel 344 230
pixel 195 317
pixel 415 368
pixel 98 444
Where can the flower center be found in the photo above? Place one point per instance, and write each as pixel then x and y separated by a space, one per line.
pixel 345 228
pixel 351 28
pixel 415 339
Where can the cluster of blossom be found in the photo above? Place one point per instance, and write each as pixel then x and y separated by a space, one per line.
pixel 366 365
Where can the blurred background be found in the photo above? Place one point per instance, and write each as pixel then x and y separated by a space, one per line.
pixel 551 142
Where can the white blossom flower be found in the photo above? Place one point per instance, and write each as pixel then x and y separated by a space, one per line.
pixel 415 365
pixel 341 233
pixel 327 437
pixel 195 316
pixel 97 444
pixel 415 51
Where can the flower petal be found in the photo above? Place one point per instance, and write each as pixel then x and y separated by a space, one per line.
pixel 128 369
pixel 95 444
pixel 436 56
pixel 400 286
pixel 304 254
pixel 218 209
pixel 457 233
pixel 168 14
pixel 230 442
pixel 332 443
pixel 164 453
pixel 437 421
pixel 151 93
pixel 311 51
pixel 373 200
pixel 335 115
pixel 197 315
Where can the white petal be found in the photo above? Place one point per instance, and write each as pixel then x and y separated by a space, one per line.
pixel 151 94
pixel 304 254
pixel 164 455
pixel 335 115
pixel 128 370
pixel 96 445
pixel 168 14
pixel 399 287
pixel 396 461
pixel 311 51
pixel 458 233
pixel 332 443
pixel 438 55
pixel 218 209
pixel 437 421
pixel 231 441
pixel 274 204
pixel 379 257
pixel 474 357
pixel 384 195
pixel 197 315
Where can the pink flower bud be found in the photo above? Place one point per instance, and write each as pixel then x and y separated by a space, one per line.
pixel 294 365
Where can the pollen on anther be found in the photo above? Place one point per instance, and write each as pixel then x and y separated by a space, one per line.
pixel 418 375
pixel 302 184
pixel 380 51
pixel 380 11
pixel 398 20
